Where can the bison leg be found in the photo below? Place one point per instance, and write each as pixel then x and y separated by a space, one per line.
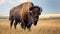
pixel 15 23
pixel 11 23
pixel 23 25
pixel 29 26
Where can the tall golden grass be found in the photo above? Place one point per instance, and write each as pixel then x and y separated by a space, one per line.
pixel 43 27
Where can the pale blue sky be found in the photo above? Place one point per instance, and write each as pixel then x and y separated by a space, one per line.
pixel 48 6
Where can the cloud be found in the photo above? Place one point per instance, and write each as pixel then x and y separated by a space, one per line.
pixel 2 1
pixel 21 1
pixel 12 1
pixel 16 1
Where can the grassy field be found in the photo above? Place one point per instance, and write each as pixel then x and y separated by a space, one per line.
pixel 43 27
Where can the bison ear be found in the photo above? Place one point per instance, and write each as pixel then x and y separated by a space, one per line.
pixel 40 10
pixel 31 8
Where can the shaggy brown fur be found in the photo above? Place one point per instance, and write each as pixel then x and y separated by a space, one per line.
pixel 20 13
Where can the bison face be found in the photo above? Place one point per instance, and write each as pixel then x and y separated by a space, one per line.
pixel 35 11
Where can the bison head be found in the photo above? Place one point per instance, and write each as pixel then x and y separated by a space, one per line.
pixel 35 11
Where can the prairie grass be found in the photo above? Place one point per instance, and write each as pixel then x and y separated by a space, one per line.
pixel 43 27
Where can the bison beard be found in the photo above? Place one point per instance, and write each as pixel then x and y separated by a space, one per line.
pixel 35 21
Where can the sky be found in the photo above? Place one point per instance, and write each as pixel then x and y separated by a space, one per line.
pixel 48 6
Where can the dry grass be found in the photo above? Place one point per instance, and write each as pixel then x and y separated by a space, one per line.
pixel 43 27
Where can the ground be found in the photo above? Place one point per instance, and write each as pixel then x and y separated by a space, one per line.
pixel 43 27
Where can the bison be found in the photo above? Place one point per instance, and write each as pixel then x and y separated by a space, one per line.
pixel 26 13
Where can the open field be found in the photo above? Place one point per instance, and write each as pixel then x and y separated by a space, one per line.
pixel 43 27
